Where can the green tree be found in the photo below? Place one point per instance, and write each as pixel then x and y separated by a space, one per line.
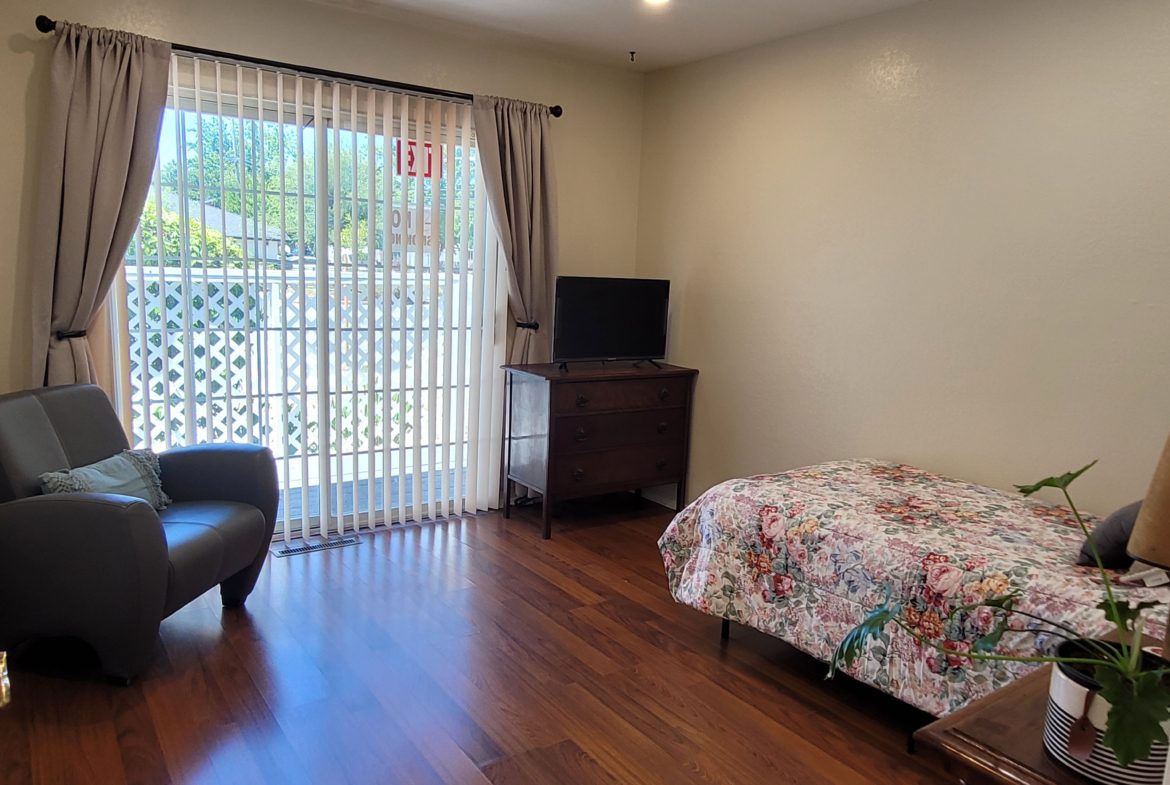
pixel 217 153
pixel 210 254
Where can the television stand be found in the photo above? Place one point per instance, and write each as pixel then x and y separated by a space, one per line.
pixel 597 430
pixel 563 366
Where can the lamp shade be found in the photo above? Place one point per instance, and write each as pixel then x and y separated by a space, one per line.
pixel 1150 541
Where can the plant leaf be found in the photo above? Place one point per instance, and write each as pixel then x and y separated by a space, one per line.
pixel 853 644
pixel 1062 482
pixel 1121 613
pixel 1138 707
pixel 1005 601
pixel 985 644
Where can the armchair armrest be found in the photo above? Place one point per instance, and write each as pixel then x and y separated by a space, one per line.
pixel 223 472
pixel 230 473
pixel 74 530
pixel 90 565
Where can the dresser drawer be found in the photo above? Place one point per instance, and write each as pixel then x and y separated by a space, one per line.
pixel 584 432
pixel 629 467
pixel 607 396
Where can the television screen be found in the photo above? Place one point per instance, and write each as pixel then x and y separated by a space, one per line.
pixel 609 319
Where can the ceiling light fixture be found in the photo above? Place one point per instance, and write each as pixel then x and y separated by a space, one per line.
pixel 656 2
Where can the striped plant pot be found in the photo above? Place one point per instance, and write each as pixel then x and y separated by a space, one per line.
pixel 1067 693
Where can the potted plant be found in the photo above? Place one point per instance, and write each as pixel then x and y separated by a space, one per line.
pixel 1109 701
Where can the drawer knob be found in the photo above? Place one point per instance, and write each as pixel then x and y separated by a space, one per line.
pixel 663 394
pixel 579 435
pixel 578 474
pixel 660 465
pixel 582 399
pixel 662 427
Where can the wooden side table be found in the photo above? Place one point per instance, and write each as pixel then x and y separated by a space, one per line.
pixel 998 740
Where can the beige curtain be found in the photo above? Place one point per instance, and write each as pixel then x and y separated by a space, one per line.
pixel 104 110
pixel 515 156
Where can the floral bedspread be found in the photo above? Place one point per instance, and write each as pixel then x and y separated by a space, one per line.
pixel 805 554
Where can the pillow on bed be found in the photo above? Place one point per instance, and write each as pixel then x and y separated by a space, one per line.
pixel 1111 538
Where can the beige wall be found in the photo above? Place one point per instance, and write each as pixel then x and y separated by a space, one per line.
pixel 939 235
pixel 597 141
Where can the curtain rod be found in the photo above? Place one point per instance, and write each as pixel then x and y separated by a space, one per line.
pixel 47 25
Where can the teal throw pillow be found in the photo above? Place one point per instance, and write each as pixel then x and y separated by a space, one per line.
pixel 130 473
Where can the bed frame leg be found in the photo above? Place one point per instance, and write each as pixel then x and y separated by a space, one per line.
pixel 725 630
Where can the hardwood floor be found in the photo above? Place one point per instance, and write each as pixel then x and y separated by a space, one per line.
pixel 462 652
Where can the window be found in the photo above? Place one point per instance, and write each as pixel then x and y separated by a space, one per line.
pixel 315 270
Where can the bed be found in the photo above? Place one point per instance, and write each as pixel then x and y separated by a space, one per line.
pixel 803 555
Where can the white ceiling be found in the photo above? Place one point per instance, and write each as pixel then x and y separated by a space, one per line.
pixel 605 30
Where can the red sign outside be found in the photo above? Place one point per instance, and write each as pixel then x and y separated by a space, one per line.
pixel 414 166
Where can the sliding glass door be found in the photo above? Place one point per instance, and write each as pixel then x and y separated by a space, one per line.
pixel 315 270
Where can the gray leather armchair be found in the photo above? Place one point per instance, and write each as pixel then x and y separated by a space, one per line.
pixel 107 568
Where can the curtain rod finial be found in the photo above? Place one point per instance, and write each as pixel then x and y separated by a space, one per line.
pixel 45 24
pixel 556 111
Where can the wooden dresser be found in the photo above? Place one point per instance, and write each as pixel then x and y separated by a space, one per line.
pixel 596 428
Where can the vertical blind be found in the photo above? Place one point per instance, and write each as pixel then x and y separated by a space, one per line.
pixel 316 270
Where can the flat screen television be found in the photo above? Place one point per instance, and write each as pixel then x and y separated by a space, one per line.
pixel 609 319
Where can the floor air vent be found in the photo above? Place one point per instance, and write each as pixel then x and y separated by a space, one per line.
pixel 332 542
